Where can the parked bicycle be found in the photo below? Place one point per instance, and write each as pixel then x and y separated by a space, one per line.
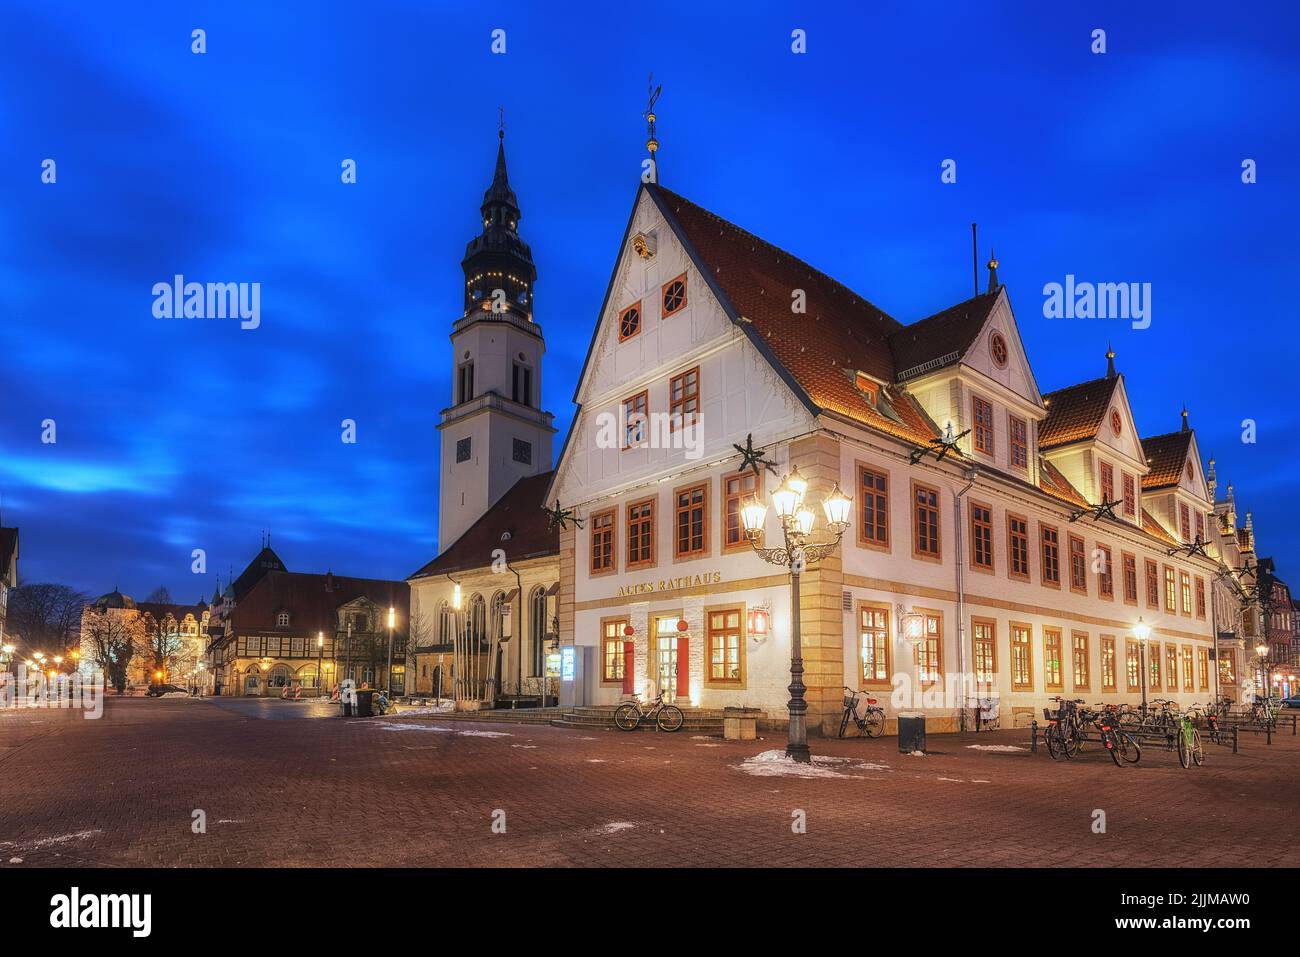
pixel 1064 732
pixel 666 717
pixel 872 720
pixel 1264 713
pixel 1189 743
pixel 1122 745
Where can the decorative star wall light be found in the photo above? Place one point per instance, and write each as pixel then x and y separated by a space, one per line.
pixel 939 447
pixel 752 458
pixel 560 516
pixel 1103 509
pixel 1189 549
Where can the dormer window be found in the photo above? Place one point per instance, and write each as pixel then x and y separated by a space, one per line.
pixel 282 619
pixel 868 387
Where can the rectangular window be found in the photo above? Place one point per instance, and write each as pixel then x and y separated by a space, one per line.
pixel 522 452
pixel 1203 668
pixel 1153 585
pixel 1200 597
pixel 1019 433
pixel 1185 522
pixel 1171 667
pixel 1107 482
pixel 1133 665
pixel 612 649
pixel 874 646
pixel 724 637
pixel 691 513
pixel 464 382
pixel 925 521
pixel 929 653
pixel 1185 590
pixel 636 420
pixel 1200 527
pixel 1106 576
pixel 1051 548
pixel 1153 667
pixel 1228 666
pixel 983 419
pixel 1171 590
pixel 1107 663
pixel 641 534
pixel 981 536
pixel 737 489
pixel 1130 578
pixel 1079 656
pixel 986 652
pixel 1078 565
pixel 874 510
pixel 1130 495
pixel 602 542
pixel 521 385
pixel 1189 672
pixel 684 400
pixel 1052 659
pixel 463 449
pixel 1022 658
pixel 1018 546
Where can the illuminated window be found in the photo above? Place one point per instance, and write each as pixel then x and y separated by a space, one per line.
pixel 1227 666
pixel 1082 670
pixel 736 489
pixel 1171 667
pixel 1052 659
pixel 986 654
pixel 1171 590
pixel 1189 673
pixel 874 646
pixel 724 648
pixel 612 650
pixel 929 652
pixel 1203 667
pixel 1133 665
pixel 1107 663
pixel 1185 590
pixel 282 619
pixel 1153 667
pixel 1022 658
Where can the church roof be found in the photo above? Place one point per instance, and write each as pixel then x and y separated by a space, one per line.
pixel 521 513
pixel 266 560
pixel 114 599
pixel 1166 454
pixel 1076 412
pixel 312 601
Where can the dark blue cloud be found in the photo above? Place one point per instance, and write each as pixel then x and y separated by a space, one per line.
pixel 181 434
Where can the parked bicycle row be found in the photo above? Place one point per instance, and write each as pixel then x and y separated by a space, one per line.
pixel 1122 729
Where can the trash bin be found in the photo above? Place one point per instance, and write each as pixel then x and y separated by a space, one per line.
pixel 911 733
pixel 347 707
pixel 365 704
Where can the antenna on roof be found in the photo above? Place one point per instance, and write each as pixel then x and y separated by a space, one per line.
pixel 651 143
pixel 1110 362
pixel 974 259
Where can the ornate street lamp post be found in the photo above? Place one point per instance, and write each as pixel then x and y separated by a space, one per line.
pixel 320 656
pixel 1142 631
pixel 392 613
pixel 796 553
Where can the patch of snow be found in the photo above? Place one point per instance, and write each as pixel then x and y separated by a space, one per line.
pixel 50 841
pixel 980 781
pixel 15 860
pixel 595 760
pixel 957 780
pixel 916 754
pixel 994 747
pixel 708 745
pixel 445 707
pixel 443 729
pixel 177 694
pixel 485 734
pixel 615 827
pixel 776 764
pixel 525 746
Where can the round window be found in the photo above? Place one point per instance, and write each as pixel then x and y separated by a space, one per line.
pixel 998 346
pixel 674 296
pixel 1116 423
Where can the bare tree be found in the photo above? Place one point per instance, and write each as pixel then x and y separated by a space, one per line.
pixel 160 596
pixel 113 640
pixel 46 616
pixel 419 641
pixel 161 643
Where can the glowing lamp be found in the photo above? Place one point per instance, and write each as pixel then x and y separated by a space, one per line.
pixel 803 520
pixel 785 500
pixel 752 515
pixel 797 483
pixel 455 597
pixel 912 625
pixel 392 616
pixel 1261 649
pixel 320 639
pixel 1142 631
pixel 836 507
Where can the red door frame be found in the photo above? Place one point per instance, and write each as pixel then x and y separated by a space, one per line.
pixel 629 666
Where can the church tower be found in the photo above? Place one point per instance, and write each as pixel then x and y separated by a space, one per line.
pixel 495 432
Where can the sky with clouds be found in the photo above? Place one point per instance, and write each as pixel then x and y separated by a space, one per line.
pixel 182 434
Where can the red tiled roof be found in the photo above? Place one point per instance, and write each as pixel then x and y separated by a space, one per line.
pixel 1075 413
pixel 265 560
pixel 1051 481
pixel 1167 455
pixel 942 338
pixel 311 601
pixel 819 351
pixel 521 512
pixel 161 610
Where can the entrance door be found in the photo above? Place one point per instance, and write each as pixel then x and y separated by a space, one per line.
pixel 666 656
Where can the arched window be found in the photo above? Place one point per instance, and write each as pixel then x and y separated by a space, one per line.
pixel 282 620
pixel 498 614
pixel 444 624
pixel 478 621
pixel 537 628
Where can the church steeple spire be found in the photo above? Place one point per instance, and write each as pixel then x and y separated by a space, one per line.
pixel 498 265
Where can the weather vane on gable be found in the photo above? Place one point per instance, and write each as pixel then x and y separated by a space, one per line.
pixel 651 143
pixel 501 121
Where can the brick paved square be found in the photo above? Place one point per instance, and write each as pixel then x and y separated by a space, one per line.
pixel 287 784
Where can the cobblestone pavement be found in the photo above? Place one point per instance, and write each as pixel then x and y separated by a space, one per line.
pixel 320 790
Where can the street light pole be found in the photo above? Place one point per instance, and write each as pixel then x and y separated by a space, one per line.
pixel 391 615
pixel 1143 633
pixel 320 656
pixel 796 553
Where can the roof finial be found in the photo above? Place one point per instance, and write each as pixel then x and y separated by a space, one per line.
pixel 1110 362
pixel 1186 427
pixel 994 285
pixel 501 123
pixel 651 143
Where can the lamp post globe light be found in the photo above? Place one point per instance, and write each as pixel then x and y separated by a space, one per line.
pixel 320 654
pixel 392 617
pixel 796 553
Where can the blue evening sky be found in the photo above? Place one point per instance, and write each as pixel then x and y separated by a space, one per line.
pixel 183 434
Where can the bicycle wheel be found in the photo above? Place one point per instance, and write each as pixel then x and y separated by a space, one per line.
pixel 1195 749
pixel 874 723
pixel 670 718
pixel 627 717
pixel 1185 747
pixel 1053 746
pixel 844 722
pixel 1129 749
pixel 1110 741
